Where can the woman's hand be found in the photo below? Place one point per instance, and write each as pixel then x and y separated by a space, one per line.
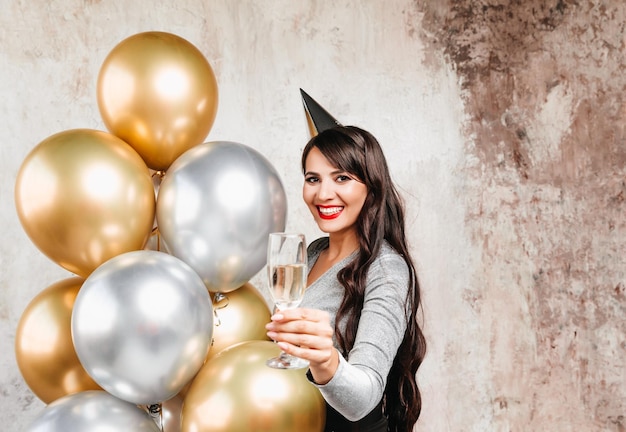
pixel 306 333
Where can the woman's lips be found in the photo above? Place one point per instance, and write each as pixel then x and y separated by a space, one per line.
pixel 329 212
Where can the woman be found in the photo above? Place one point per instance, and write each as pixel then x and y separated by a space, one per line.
pixel 357 325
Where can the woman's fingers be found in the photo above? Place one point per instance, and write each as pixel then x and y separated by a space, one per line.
pixel 310 341
pixel 314 356
pixel 308 321
pixel 301 327
pixel 302 335
pixel 302 332
pixel 301 314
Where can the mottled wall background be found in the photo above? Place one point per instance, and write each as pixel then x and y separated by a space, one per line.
pixel 503 122
pixel 543 86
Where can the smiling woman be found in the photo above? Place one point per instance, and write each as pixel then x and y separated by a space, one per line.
pixel 357 325
pixel 332 194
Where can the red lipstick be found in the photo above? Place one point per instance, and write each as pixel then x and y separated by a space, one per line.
pixel 329 212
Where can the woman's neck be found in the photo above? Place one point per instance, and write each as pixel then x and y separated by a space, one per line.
pixel 340 245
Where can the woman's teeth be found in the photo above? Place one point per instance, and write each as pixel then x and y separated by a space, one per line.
pixel 329 211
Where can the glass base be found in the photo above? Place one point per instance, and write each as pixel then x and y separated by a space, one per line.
pixel 286 361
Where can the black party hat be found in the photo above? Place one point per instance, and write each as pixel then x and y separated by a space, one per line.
pixel 317 117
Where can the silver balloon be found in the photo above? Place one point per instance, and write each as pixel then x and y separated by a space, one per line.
pixel 142 325
pixel 217 204
pixel 92 411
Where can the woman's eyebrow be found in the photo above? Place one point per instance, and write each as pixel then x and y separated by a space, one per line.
pixel 333 173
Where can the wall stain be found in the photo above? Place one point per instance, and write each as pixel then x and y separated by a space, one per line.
pixel 510 55
pixel 543 86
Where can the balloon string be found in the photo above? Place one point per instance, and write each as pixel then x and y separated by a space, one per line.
pixel 219 298
pixel 156 412
pixel 157 178
pixel 155 232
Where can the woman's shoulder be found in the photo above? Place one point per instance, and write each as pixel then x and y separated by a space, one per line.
pixel 389 261
pixel 388 253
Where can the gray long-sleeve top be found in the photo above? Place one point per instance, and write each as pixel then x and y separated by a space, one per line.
pixel 358 384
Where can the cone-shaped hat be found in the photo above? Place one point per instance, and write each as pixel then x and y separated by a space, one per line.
pixel 317 117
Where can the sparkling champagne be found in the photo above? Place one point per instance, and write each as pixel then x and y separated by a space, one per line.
pixel 288 285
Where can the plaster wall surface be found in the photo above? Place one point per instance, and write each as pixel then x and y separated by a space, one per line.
pixel 503 124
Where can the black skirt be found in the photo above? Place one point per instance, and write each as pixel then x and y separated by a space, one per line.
pixel 375 421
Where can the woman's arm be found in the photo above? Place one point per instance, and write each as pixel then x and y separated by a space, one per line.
pixel 353 386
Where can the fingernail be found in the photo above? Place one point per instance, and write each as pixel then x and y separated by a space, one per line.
pixel 271 334
pixel 283 345
pixel 277 317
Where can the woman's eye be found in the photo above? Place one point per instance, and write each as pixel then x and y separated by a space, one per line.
pixel 343 178
pixel 311 179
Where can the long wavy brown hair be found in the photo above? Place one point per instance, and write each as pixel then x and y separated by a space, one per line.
pixel 358 153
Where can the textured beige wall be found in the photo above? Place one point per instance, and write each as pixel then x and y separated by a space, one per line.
pixel 503 123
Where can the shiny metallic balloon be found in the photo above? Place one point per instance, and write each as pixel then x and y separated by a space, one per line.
pixel 216 206
pixel 43 344
pixel 84 196
pixel 157 92
pixel 170 415
pixel 141 326
pixel 92 411
pixel 235 391
pixel 240 316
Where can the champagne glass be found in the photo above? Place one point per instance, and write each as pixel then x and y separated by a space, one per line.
pixel 287 275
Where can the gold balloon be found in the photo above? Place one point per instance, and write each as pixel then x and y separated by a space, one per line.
pixel 240 316
pixel 84 196
pixel 157 92
pixel 43 344
pixel 170 414
pixel 236 391
pixel 166 415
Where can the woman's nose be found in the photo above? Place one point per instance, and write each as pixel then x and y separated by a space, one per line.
pixel 326 190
